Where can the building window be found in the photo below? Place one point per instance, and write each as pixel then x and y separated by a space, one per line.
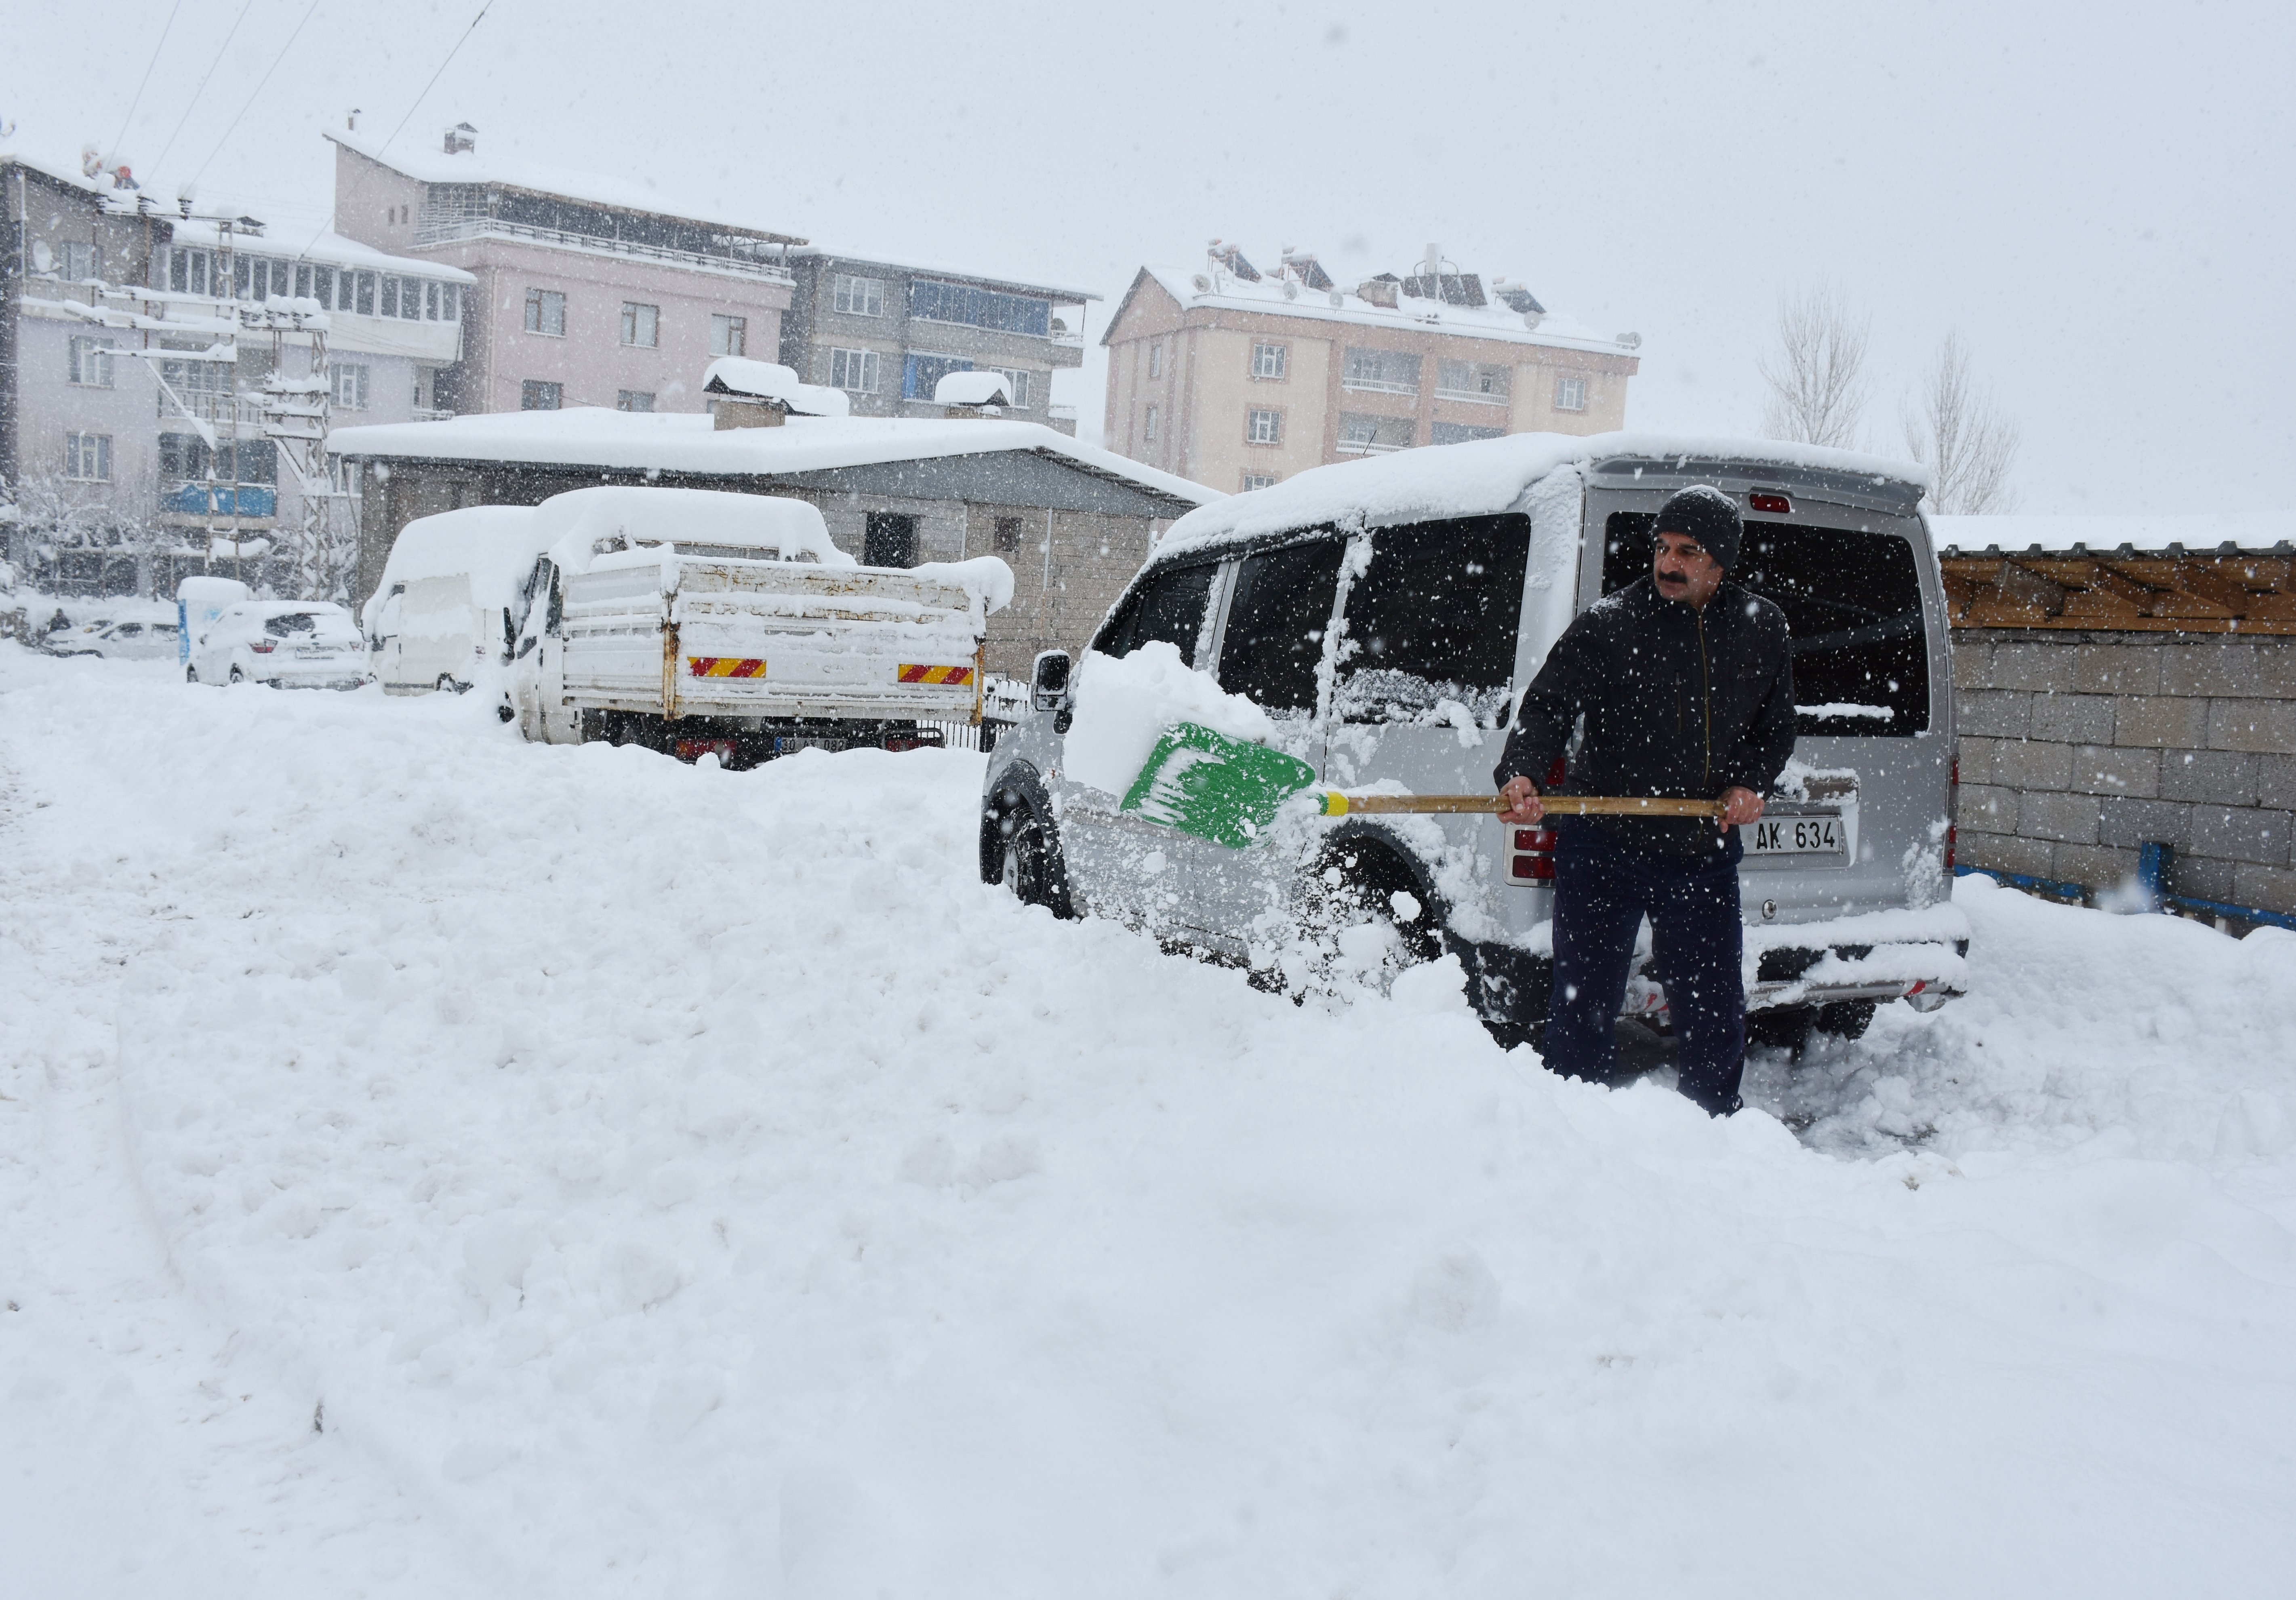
pixel 857 297
pixel 80 261
pixel 1571 394
pixel 350 385
pixel 961 303
pixel 1252 480
pixel 629 399
pixel 1459 433
pixel 1384 371
pixel 641 324
pixel 853 370
pixel 1017 384
pixel 546 314
pixel 920 373
pixel 1149 432
pixel 91 363
pixel 534 395
pixel 1361 435
pixel 1473 381
pixel 365 304
pixel 1263 428
pixel 323 286
pixel 88 457
pixel 1008 534
pixel 729 335
pixel 1155 357
pixel 1269 360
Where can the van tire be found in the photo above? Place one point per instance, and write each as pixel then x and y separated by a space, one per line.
pixel 238 677
pixel 1782 1028
pixel 1370 877
pixel 1028 865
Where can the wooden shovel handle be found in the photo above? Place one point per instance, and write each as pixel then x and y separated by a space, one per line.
pixel 1487 805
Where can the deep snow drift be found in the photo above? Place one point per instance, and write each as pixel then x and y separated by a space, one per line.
pixel 432 1165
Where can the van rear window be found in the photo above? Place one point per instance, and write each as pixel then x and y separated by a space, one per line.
pixel 1433 618
pixel 1853 599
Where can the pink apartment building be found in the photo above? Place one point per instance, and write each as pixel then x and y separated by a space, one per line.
pixel 589 291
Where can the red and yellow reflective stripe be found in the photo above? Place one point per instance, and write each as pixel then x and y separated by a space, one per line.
pixel 724 666
pixel 911 673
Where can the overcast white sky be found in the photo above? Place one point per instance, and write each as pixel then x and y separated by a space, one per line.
pixel 2096 196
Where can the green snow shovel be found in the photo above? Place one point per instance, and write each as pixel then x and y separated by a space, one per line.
pixel 1228 791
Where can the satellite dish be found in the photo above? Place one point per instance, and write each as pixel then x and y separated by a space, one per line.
pixel 1531 319
pixel 1338 299
pixel 1203 283
pixel 1290 290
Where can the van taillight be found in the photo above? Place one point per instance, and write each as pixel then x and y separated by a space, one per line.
pixel 1952 813
pixel 1532 858
pixel 263 646
pixel 1759 501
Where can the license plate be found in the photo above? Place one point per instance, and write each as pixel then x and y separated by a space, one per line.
pixel 1795 836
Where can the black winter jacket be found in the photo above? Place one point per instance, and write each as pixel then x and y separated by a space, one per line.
pixel 1678 702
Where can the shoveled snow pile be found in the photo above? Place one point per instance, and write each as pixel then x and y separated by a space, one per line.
pixel 1124 704
pixel 435 1166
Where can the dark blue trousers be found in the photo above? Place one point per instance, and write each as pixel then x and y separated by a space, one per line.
pixel 1602 891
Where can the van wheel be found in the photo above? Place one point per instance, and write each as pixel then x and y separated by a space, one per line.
pixel 1846 1018
pixel 1026 852
pixel 238 677
pixel 447 686
pixel 1782 1028
pixel 1365 919
pixel 191 675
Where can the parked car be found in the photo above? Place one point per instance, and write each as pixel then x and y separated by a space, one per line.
pixel 1387 613
pixel 130 640
pixel 287 644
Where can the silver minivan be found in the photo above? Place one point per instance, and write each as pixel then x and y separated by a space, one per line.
pixel 1387 613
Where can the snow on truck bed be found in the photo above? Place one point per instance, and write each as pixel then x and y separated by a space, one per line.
pixel 453 1166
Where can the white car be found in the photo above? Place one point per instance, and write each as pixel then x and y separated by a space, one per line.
pixel 131 641
pixel 287 644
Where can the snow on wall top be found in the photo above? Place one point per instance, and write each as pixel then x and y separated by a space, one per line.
pixel 2199 535
pixel 688 442
pixel 317 242
pixel 1495 321
pixel 751 378
pixel 1479 478
pixel 431 165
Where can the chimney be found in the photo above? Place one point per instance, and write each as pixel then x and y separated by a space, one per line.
pixel 461 139
pixel 1434 266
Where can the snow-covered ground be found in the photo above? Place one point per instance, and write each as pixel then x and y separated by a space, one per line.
pixel 431 1166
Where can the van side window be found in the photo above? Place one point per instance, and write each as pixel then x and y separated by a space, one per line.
pixel 1433 618
pixel 1277 623
pixel 1853 599
pixel 1170 606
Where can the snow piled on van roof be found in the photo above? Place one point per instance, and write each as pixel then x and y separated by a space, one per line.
pixel 691 442
pixel 1484 476
pixel 495 546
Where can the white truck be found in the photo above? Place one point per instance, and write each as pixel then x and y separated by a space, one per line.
pixel 692 621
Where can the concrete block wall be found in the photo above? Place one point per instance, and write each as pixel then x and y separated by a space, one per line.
pixel 2076 747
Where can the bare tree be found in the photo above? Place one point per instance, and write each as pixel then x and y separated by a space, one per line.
pixel 1817 375
pixel 1953 428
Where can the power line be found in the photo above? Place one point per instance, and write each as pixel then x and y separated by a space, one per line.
pixel 124 122
pixel 427 87
pixel 196 93
pixel 257 90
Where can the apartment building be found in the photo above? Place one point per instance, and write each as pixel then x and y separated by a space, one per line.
pixel 1239 378
pixel 587 291
pixel 168 378
pixel 887 332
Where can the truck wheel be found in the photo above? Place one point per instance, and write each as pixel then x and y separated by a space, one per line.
pixel 191 675
pixel 1846 1018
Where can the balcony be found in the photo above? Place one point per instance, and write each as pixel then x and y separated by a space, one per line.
pixel 256 502
pixel 1366 447
pixel 449 231
pixel 212 405
pixel 1472 397
pixel 1379 386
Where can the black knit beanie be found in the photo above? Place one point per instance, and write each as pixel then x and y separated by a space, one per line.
pixel 1707 514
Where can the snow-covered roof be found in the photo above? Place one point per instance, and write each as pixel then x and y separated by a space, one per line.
pixel 2199 534
pixel 747 378
pixel 433 166
pixel 1225 291
pixel 319 243
pixel 688 442
pixel 897 261
pixel 974 388
pixel 1487 475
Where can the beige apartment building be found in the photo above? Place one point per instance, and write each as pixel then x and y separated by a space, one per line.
pixel 589 291
pixel 1238 379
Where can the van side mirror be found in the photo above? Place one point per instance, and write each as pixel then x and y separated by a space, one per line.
pixel 1048 681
